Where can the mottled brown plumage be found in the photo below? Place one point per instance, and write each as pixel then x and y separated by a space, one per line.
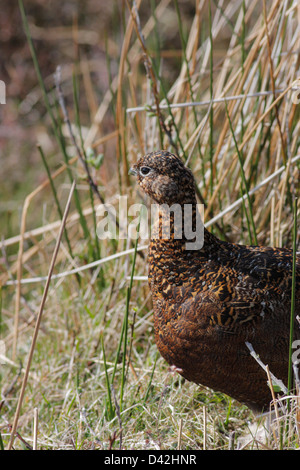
pixel 210 301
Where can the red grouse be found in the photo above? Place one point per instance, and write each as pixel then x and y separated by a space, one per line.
pixel 209 301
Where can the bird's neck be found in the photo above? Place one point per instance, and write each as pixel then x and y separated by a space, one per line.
pixel 179 243
pixel 180 226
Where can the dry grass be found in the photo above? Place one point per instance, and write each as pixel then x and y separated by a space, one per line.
pixel 213 84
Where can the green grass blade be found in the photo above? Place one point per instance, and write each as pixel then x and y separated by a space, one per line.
pixel 59 210
pixel 125 323
pixel 243 180
pixel 93 255
pixel 150 381
pixel 292 317
pixel 56 127
pixel 211 114
pixel 111 413
pixel 1 442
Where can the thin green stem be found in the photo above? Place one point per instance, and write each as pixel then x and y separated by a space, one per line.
pixel 59 210
pixel 56 127
pixel 243 179
pixel 125 323
pixel 111 410
pixel 293 294
pixel 211 114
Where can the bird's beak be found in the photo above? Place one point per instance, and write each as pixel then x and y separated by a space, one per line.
pixel 132 171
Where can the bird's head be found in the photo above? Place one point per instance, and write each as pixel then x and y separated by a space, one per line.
pixel 163 176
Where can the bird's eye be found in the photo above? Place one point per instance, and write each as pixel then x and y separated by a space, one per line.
pixel 145 170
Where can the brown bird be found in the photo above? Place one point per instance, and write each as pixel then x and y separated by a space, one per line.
pixel 211 298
